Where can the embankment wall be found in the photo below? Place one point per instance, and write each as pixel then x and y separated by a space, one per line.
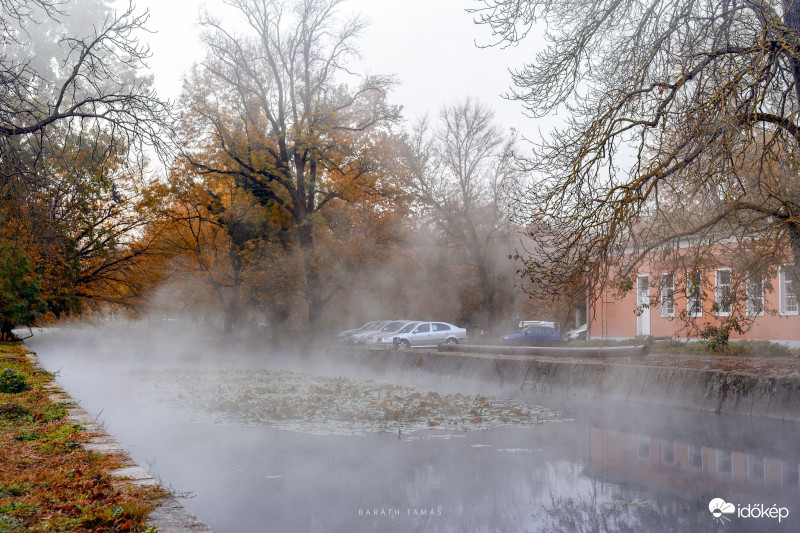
pixel 699 390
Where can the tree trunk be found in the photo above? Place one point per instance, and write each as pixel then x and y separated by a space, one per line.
pixel 232 310
pixel 313 290
pixel 487 287
pixel 6 331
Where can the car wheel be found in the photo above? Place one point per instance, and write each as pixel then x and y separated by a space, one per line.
pixel 403 343
pixel 451 340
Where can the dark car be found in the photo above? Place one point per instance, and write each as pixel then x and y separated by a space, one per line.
pixel 535 335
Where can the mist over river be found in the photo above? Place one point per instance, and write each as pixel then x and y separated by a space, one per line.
pixel 252 440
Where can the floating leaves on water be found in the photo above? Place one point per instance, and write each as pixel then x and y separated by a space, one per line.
pixel 340 406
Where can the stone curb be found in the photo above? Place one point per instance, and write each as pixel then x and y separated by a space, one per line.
pixel 170 516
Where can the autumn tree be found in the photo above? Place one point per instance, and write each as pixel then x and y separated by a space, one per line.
pixel 214 234
pixel 20 304
pixel 269 108
pixel 75 113
pixel 464 168
pixel 82 227
pixel 681 123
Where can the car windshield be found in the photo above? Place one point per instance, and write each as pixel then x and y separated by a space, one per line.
pixel 408 327
pixel 392 326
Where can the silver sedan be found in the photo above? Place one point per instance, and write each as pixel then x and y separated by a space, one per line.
pixel 425 334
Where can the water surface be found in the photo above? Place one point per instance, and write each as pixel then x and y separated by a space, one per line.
pixel 246 441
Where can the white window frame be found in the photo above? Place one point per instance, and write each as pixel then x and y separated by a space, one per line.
pixel 692 301
pixel 718 292
pixel 749 285
pixel 788 297
pixel 667 295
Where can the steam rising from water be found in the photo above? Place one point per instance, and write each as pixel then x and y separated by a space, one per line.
pixel 303 449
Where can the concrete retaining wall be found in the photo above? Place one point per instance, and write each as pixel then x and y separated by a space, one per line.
pixel 684 388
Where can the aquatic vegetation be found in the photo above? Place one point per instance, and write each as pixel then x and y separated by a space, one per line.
pixel 324 405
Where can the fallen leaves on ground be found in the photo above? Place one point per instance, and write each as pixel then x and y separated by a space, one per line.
pixel 48 482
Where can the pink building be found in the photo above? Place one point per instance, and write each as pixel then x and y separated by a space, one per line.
pixel 679 303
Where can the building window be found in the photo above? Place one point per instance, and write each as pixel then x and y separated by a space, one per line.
pixel 788 292
pixel 696 457
pixel 667 295
pixel 667 452
pixel 755 468
pixel 643 448
pixel 694 293
pixel 723 292
pixel 755 295
pixel 725 462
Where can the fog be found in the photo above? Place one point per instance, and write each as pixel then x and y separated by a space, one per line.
pixel 171 393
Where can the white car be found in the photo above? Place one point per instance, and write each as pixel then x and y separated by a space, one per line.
pixel 425 334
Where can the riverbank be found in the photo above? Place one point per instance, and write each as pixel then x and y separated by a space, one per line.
pixel 766 387
pixel 60 471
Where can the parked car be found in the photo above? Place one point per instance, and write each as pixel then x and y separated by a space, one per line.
pixel 388 325
pixel 382 341
pixel 425 334
pixel 346 335
pixel 391 327
pixel 541 334
pixel 576 334
pixel 358 336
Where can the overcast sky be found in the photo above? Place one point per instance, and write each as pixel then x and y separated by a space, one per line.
pixel 428 44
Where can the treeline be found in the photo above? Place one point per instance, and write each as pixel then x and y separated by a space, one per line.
pixel 294 193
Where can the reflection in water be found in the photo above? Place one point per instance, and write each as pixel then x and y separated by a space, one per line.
pixel 683 466
pixel 608 510
pixel 694 474
pixel 613 467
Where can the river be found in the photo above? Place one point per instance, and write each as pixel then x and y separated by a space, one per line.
pixel 251 441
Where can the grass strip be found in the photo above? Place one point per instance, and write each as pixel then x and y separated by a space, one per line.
pixel 48 481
